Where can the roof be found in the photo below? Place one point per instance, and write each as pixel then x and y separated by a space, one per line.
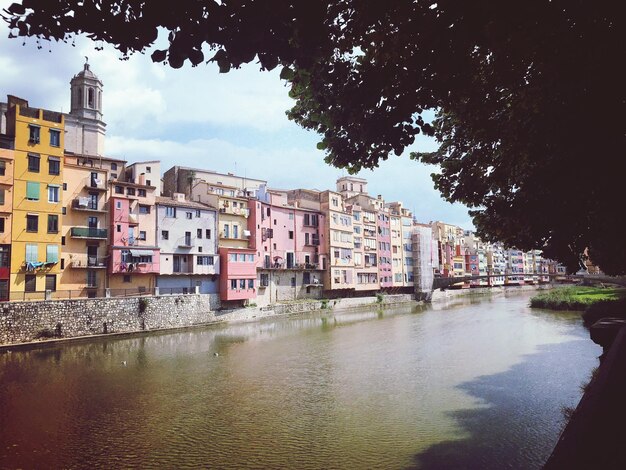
pixel 167 201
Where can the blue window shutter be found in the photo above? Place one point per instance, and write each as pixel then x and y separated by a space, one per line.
pixel 32 190
pixel 52 254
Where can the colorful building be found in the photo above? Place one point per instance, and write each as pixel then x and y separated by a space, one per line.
pixel 287 240
pixel 84 227
pixel 37 136
pixel 134 258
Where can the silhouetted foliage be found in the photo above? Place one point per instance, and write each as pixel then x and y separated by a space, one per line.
pixel 530 95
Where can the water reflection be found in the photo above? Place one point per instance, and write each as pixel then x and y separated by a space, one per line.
pixel 477 382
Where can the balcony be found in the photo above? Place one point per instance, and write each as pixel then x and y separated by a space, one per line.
pixel 84 204
pixel 95 184
pixel 132 219
pixel 135 268
pixel 87 262
pixel 242 211
pixel 89 233
pixel 185 242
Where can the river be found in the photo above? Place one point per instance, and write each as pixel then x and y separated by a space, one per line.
pixel 472 383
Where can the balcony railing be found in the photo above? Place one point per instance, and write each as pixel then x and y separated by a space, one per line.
pixel 88 232
pixel 85 204
pixel 185 242
pixel 95 184
pixel 87 262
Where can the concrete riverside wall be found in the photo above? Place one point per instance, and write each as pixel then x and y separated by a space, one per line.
pixel 26 321
pixel 22 322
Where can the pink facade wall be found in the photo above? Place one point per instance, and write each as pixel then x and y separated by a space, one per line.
pixel 237 270
pixel 289 235
pixel 120 240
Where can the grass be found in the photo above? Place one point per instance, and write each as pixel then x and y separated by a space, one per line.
pixel 576 297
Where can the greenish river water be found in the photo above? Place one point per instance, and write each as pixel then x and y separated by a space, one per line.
pixel 470 384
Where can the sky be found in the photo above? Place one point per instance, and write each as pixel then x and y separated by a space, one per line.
pixel 197 117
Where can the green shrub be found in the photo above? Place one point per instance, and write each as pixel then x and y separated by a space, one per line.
pixel 143 304
pixel 324 304
pixel 379 298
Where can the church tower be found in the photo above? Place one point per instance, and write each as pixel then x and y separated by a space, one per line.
pixel 84 127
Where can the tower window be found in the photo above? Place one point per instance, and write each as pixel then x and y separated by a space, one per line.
pixel 90 98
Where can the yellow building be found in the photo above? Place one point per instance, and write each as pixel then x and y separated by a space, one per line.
pixel 6 210
pixel 37 136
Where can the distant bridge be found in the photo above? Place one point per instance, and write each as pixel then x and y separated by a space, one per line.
pixel 444 282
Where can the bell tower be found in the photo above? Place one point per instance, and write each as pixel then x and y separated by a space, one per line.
pixel 84 128
pixel 86 98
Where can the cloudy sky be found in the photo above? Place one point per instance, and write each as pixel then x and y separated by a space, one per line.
pixel 232 122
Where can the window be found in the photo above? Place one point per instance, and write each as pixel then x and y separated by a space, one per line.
pixel 90 98
pixel 62 263
pixel 226 231
pixel 232 257
pixel 165 235
pixel 148 169
pixel 53 193
pixel 189 215
pixel 250 258
pixel 33 134
pixel 33 162
pixel 130 191
pixel 54 166
pixel 144 209
pixel 3 167
pixel 197 212
pixel 114 176
pixel 53 223
pixel 52 254
pixel 31 283
pixel 55 138
pixel 293 282
pixel 307 239
pixel 127 278
pixel 114 166
pixel 118 204
pixel 205 260
pixel 32 222
pixel 242 257
pixel 119 190
pixel 242 284
pixel 335 202
pixel 142 235
pixel 199 249
pixel 1 196
pixel 265 280
pixel 31 253
pixel 235 231
pixel 1 224
pixel 199 233
pixel 141 193
pixel 170 212
pixel 63 241
pixel 148 183
pixel 207 234
pixel 250 283
pixel 63 210
pixel 268 211
pixel 290 234
pixel 233 284
pixel 91 279
pixel 118 228
pixel 291 216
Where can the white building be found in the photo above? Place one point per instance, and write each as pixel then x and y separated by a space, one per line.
pixel 187 237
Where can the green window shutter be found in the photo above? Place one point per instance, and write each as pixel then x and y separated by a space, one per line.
pixel 52 254
pixel 31 253
pixel 32 190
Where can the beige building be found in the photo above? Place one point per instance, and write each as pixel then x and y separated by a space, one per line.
pixel 339 242
pixel 232 206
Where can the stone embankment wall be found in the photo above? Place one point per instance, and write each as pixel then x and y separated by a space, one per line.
pixel 476 291
pixel 22 322
pixel 26 321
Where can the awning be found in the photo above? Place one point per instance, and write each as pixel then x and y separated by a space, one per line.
pixel 54 159
pixel 141 252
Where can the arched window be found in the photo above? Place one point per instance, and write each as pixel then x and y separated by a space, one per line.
pixel 90 98
pixel 99 100
pixel 79 101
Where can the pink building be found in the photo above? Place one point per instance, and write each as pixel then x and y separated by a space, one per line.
pixel 237 275
pixel 287 240
pixel 383 239
pixel 134 256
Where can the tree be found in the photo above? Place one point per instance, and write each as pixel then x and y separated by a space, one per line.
pixel 530 96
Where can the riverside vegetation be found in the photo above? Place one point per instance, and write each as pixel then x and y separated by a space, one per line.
pixel 597 302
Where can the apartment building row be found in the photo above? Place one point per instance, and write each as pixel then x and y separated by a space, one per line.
pixel 75 220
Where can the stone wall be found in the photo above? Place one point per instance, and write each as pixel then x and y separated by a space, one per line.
pixel 22 322
pixel 27 321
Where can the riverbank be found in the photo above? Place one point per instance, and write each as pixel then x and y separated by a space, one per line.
pixel 28 324
pixel 448 294
pixel 576 297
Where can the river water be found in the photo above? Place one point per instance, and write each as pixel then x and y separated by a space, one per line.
pixel 471 384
